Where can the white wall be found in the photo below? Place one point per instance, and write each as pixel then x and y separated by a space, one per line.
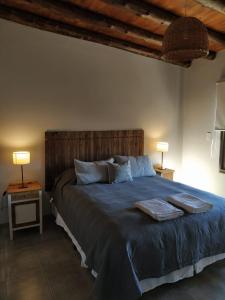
pixel 200 166
pixel 48 81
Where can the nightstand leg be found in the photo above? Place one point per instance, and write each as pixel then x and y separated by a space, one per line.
pixel 10 217
pixel 40 211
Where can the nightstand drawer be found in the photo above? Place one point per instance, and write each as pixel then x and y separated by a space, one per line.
pixel 25 214
pixel 25 196
pixel 168 176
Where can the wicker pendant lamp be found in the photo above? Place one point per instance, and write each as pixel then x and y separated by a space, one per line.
pixel 185 39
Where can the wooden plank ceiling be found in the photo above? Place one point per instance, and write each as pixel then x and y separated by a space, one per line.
pixel 137 26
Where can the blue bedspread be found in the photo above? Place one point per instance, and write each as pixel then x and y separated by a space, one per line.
pixel 124 245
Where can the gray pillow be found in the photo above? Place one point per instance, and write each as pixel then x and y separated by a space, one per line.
pixel 68 176
pixel 140 165
pixel 119 173
pixel 91 172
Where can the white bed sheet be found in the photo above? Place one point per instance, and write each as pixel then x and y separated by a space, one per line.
pixel 149 283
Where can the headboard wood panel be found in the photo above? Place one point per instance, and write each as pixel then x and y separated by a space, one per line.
pixel 61 147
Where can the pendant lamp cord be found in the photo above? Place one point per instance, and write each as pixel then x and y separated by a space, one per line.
pixel 185 8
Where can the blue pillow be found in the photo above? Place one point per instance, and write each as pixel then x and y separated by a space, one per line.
pixel 140 165
pixel 91 172
pixel 119 173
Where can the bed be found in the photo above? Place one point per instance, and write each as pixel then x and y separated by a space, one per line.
pixel 125 250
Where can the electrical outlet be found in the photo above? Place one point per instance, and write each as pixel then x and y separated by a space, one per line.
pixel 208 136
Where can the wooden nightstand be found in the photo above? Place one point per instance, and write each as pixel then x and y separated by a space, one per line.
pixel 165 173
pixel 24 206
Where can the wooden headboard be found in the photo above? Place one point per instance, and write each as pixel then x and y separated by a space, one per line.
pixel 61 147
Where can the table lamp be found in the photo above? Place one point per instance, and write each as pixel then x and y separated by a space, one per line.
pixel 162 147
pixel 21 158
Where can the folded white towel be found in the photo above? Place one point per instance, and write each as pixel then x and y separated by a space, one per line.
pixel 159 209
pixel 189 203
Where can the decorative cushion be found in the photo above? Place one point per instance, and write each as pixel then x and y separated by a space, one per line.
pixel 140 165
pixel 119 173
pixel 91 172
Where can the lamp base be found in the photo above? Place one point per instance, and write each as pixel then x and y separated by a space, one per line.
pixel 22 186
pixel 161 168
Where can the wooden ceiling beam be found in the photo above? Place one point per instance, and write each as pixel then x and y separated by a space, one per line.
pixel 46 24
pixel 75 16
pixel 214 36
pixel 149 11
pixel 217 5
pixel 94 23
pixel 142 9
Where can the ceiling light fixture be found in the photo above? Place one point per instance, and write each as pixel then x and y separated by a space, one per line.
pixel 185 39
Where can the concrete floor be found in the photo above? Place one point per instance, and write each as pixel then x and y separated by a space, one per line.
pixel 34 267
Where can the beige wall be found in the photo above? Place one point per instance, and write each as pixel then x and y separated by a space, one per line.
pixel 201 159
pixel 48 81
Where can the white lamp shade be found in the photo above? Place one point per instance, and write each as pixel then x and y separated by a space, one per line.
pixel 21 158
pixel 162 147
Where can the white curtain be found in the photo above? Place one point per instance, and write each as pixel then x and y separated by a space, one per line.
pixel 220 106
